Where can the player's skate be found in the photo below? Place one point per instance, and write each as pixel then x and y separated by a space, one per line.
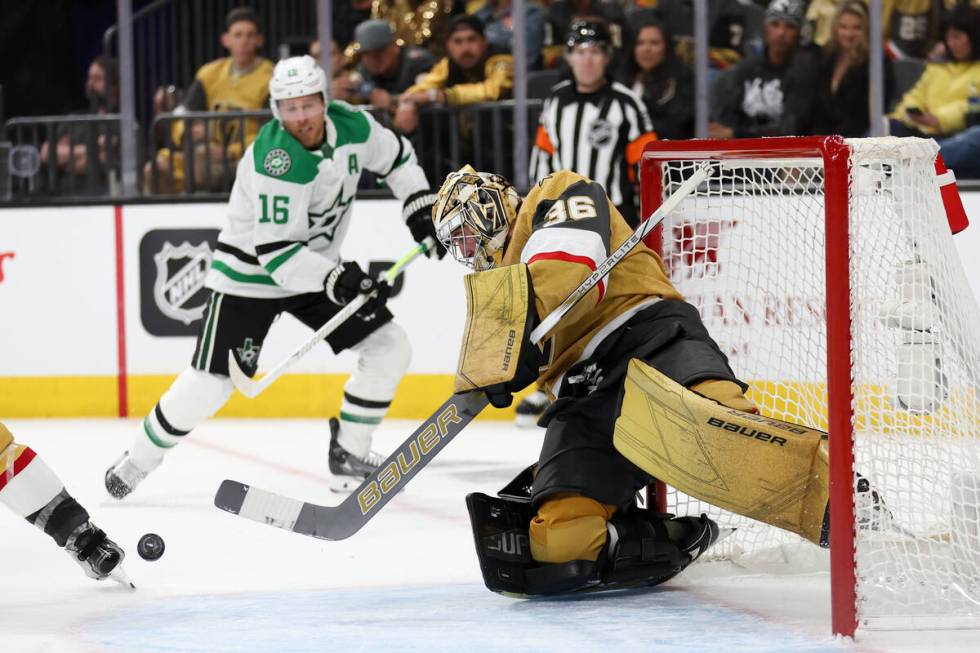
pixel 347 470
pixel 530 409
pixel 125 474
pixel 869 510
pixel 98 556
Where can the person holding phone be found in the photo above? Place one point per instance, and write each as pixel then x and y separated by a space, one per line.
pixel 938 103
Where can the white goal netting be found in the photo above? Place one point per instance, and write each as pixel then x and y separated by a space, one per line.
pixel 748 249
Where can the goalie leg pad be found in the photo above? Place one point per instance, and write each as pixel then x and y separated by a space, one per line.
pixel 759 467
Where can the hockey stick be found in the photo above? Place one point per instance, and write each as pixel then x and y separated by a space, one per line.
pixel 342 521
pixel 252 388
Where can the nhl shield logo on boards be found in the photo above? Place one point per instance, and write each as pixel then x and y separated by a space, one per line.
pixel 173 266
pixel 277 162
pixel 180 280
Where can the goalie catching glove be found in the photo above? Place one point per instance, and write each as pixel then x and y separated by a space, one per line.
pixel 417 212
pixel 346 281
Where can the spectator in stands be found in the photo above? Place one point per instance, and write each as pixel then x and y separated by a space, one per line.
pixel 418 22
pixel 608 124
pixel 842 78
pixel 346 15
pixel 496 17
pixel 341 85
pixel 937 105
pixel 818 27
pixel 734 30
pixel 385 69
pixel 473 71
pixel 912 29
pixel 666 86
pixel 75 142
pixel 238 82
pixel 945 103
pixel 770 94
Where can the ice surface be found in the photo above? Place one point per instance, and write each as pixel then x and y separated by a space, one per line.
pixel 408 581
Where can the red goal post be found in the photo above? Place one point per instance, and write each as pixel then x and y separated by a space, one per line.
pixel 828 254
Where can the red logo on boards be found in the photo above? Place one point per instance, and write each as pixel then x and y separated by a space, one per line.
pixel 694 246
pixel 4 255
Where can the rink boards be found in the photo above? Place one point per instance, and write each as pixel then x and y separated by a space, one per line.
pixel 99 306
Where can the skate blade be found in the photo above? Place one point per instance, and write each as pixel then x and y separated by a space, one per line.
pixel 119 575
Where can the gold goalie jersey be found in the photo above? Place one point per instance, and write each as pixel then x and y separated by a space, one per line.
pixel 566 226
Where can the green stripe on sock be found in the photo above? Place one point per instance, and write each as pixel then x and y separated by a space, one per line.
pixel 153 436
pixel 360 419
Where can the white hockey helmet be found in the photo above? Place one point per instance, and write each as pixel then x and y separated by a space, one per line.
pixel 473 215
pixel 296 77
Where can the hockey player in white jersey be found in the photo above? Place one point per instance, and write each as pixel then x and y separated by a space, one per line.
pixel 32 490
pixel 280 251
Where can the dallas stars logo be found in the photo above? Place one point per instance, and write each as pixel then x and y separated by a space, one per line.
pixel 248 354
pixel 277 162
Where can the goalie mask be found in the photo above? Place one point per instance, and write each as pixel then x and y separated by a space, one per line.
pixel 473 215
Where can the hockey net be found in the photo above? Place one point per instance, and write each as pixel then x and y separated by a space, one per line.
pixel 826 270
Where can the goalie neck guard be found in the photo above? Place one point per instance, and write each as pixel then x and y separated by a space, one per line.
pixel 473 215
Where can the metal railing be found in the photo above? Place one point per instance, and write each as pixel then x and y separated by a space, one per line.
pixel 63 156
pixel 481 135
pixel 176 37
pixel 48 159
pixel 199 152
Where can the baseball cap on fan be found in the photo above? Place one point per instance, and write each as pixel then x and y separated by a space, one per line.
pixel 788 11
pixel 373 34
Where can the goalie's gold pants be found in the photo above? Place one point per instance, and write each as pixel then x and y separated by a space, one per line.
pixel 570 526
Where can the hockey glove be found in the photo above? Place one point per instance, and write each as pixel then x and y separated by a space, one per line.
pixel 346 281
pixel 418 218
pixel 501 395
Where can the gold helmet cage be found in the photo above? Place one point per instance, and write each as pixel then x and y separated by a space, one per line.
pixel 473 215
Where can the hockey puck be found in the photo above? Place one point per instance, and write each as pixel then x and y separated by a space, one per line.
pixel 150 546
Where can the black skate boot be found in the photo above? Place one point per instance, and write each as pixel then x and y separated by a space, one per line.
pixel 347 470
pixel 530 409
pixel 99 557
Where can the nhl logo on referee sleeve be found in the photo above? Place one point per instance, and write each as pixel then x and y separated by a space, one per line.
pixel 277 162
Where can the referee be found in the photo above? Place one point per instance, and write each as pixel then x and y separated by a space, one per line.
pixel 591 124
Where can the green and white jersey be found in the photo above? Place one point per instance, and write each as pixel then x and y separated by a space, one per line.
pixel 290 207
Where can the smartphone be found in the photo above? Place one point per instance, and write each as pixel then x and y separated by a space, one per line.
pixel 913 111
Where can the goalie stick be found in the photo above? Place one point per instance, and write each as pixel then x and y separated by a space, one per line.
pixel 341 521
pixel 252 388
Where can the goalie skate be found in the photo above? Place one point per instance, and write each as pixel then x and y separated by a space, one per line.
pixel 347 470
pixel 98 556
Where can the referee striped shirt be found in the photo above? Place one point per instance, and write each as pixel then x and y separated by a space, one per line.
pixel 599 135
